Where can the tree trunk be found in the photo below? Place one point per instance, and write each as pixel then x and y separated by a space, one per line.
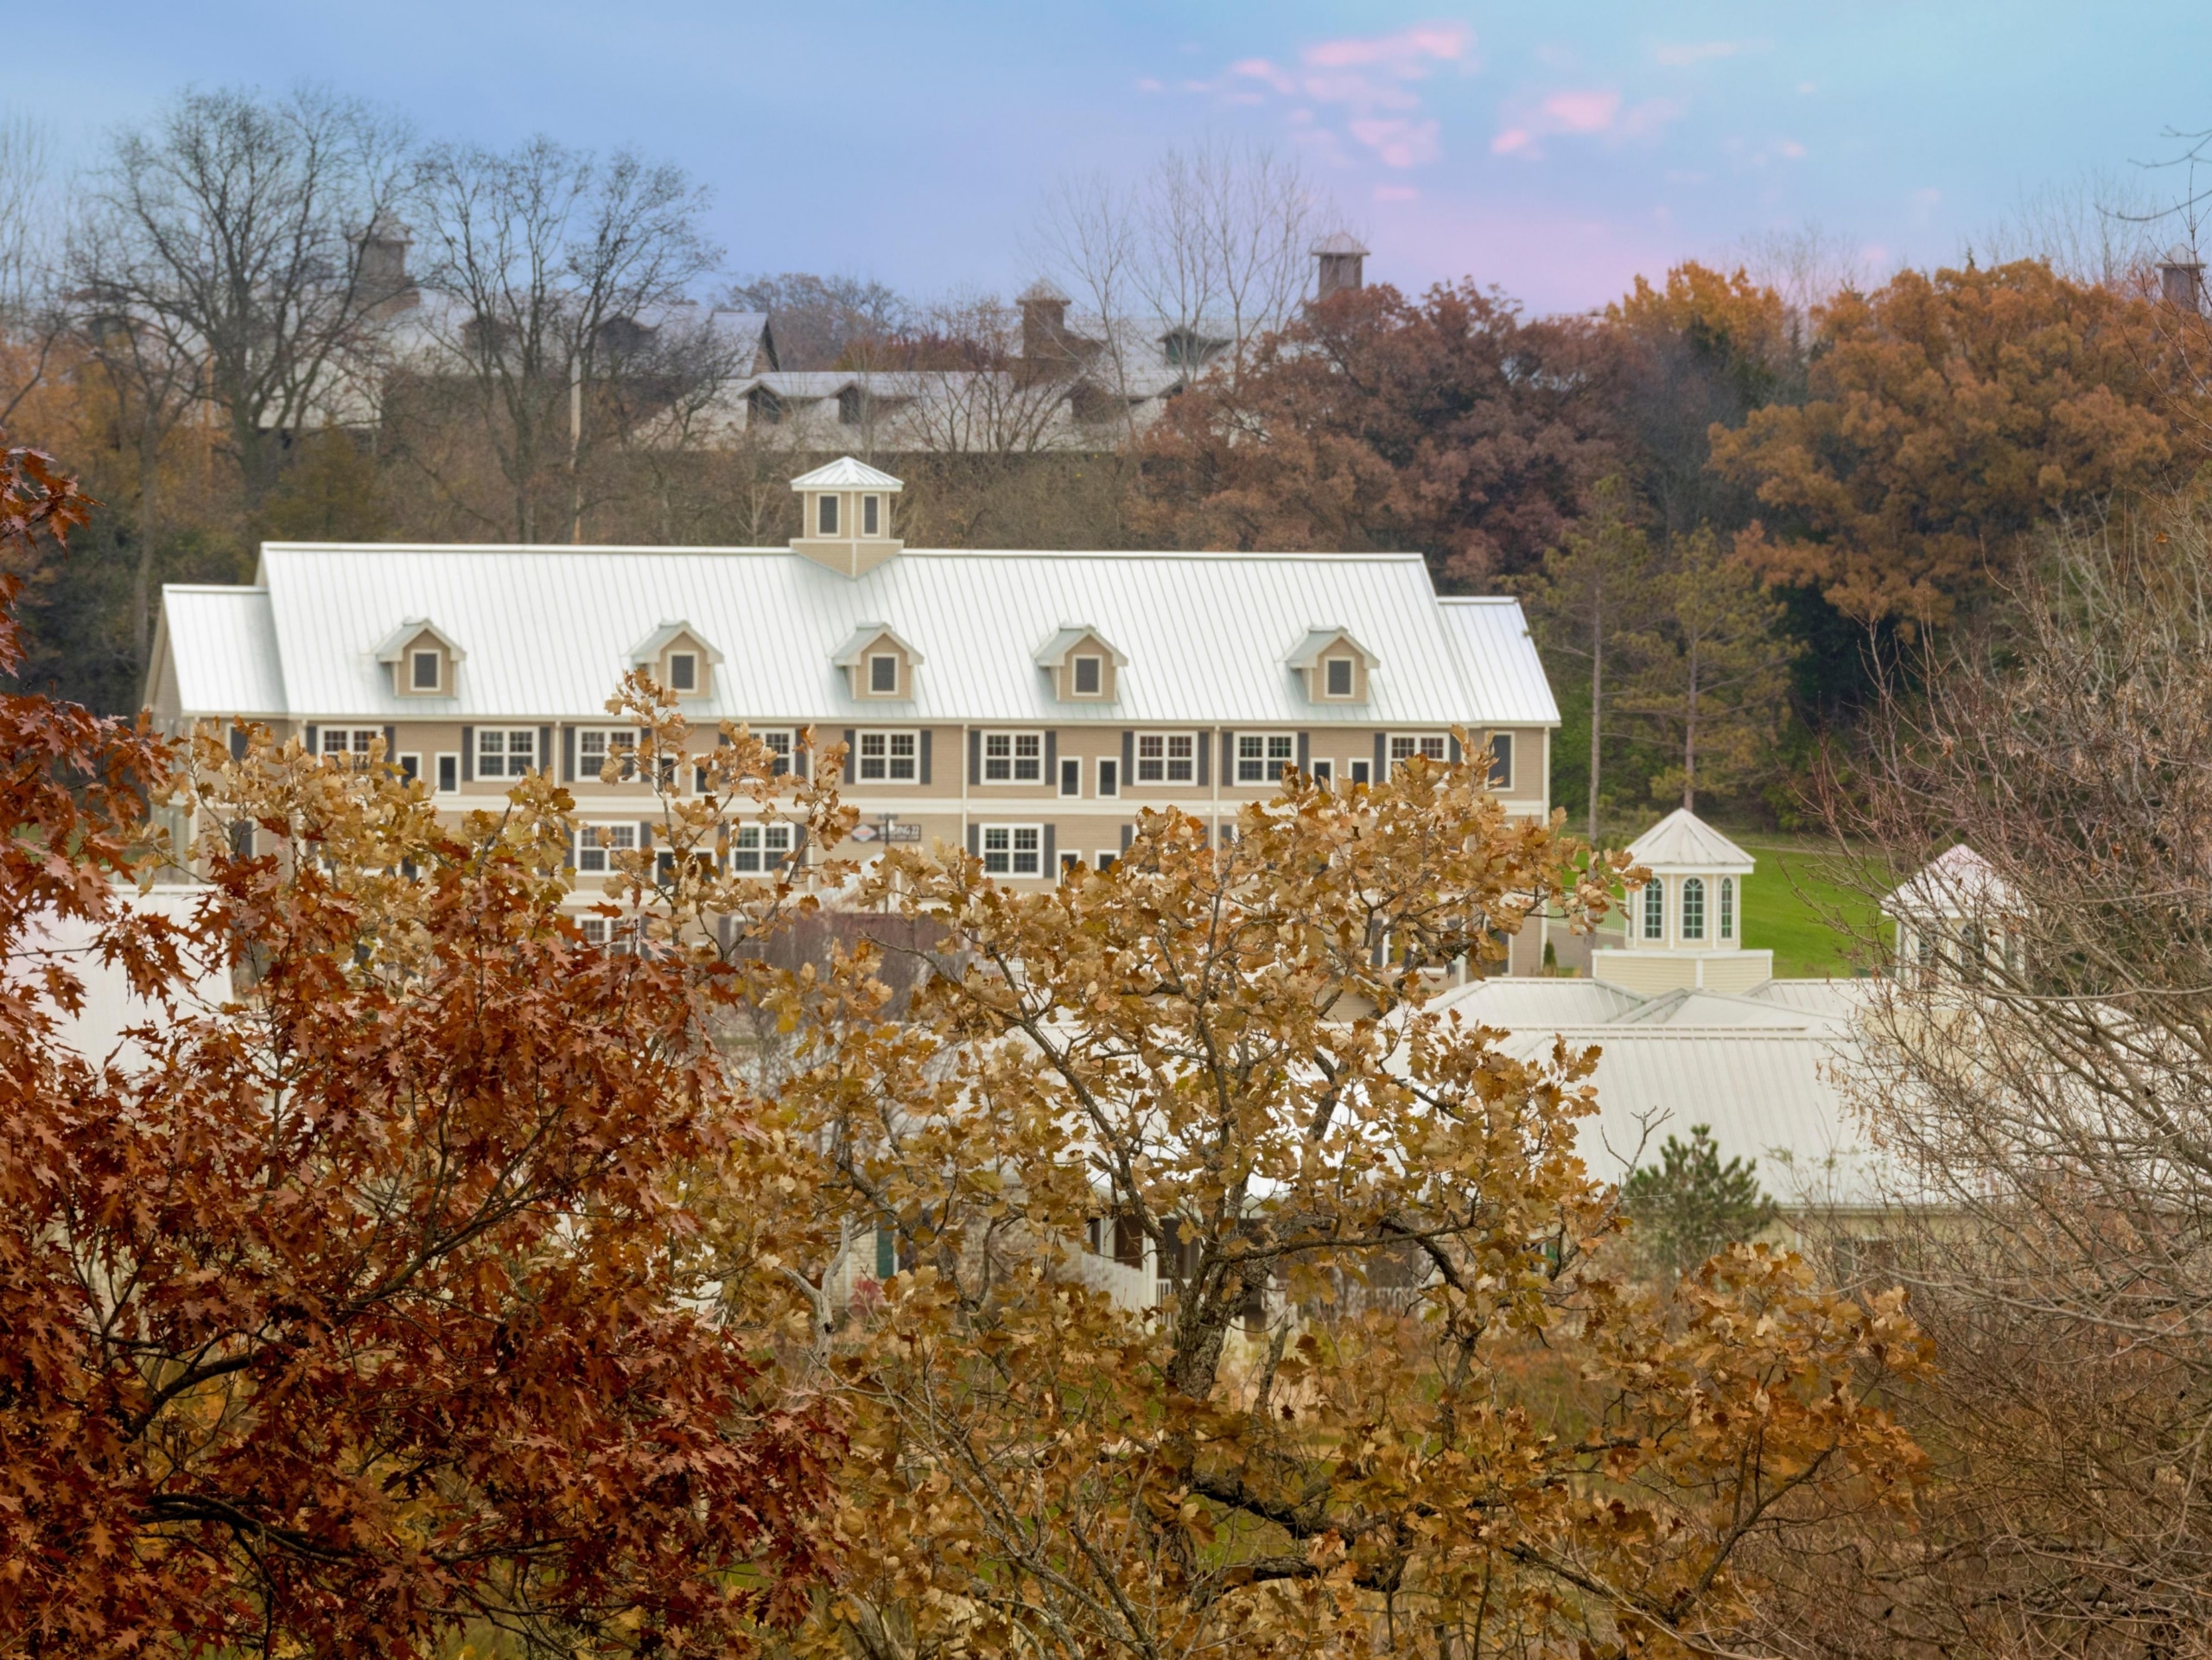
pixel 1596 701
pixel 150 508
pixel 1689 740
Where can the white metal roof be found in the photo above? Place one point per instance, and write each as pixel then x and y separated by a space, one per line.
pixel 550 631
pixel 1956 882
pixel 1682 840
pixel 846 473
pixel 222 645
pixel 1509 680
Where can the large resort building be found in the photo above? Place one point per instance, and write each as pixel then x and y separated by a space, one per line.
pixel 1024 705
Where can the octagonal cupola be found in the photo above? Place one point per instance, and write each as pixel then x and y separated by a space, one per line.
pixel 845 517
pixel 1685 926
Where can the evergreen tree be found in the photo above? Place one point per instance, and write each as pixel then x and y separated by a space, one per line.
pixel 1692 1205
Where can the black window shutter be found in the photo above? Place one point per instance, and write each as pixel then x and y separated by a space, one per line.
pixel 568 755
pixel 1227 759
pixel 644 834
pixel 468 754
pixel 1053 758
pixel 1128 759
pixel 545 750
pixel 975 759
pixel 1129 835
pixel 852 750
pixel 799 847
pixel 392 746
pixel 926 754
pixel 1381 757
pixel 975 841
pixel 1454 750
pixel 237 748
pixel 1052 842
pixel 799 757
pixel 1305 751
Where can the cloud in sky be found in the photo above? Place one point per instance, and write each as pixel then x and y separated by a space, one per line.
pixel 1370 80
pixel 1583 112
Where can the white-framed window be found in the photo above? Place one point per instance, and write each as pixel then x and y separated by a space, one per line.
pixel 778 742
pixel 1360 772
pixel 825 515
pixel 425 669
pixel 1501 760
pixel 683 672
pixel 883 673
pixel 1429 746
pixel 759 849
pixel 871 515
pixel 1110 777
pixel 506 751
pixel 1261 756
pixel 350 743
pixel 1694 908
pixel 1167 757
pixel 1728 907
pixel 594 930
pixel 1324 773
pixel 410 767
pixel 887 758
pixel 448 778
pixel 1335 677
pixel 597 844
pixel 596 743
pixel 1013 757
pixel 1070 863
pixel 1013 850
pixel 1089 676
pixel 1071 776
pixel 1654 910
pixel 1106 860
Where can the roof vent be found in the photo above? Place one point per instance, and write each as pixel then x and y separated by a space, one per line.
pixel 1338 260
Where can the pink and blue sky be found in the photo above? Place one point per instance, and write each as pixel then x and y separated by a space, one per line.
pixel 1555 150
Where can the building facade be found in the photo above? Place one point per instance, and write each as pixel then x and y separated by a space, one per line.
pixel 1026 706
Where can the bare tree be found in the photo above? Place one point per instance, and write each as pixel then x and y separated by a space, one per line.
pixel 539 259
pixel 2040 1064
pixel 826 323
pixel 232 227
pixel 663 390
pixel 1808 266
pixel 30 325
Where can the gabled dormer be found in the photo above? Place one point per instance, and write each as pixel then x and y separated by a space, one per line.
pixel 879 665
pixel 425 660
pixel 1083 664
pixel 678 657
pixel 845 517
pixel 1334 667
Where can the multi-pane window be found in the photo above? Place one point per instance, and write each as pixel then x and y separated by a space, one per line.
pixel 1012 758
pixel 683 672
pixel 1728 907
pixel 871 515
pixel 596 744
pixel 593 929
pixel 1261 756
pixel 887 757
pixel 1013 850
pixel 1429 746
pixel 596 844
pixel 351 742
pixel 883 674
pixel 424 674
pixel 779 746
pixel 758 849
pixel 1167 757
pixel 1694 908
pixel 1654 912
pixel 1338 669
pixel 506 751
pixel 1088 676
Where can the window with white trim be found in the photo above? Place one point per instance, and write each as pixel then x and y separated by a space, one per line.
pixel 1013 850
pixel 597 844
pixel 1261 756
pixel 1071 776
pixel 350 743
pixel 1107 860
pixel 425 669
pixel 506 751
pixel 683 672
pixel 1694 908
pixel 1089 677
pixel 1110 777
pixel 871 515
pixel 1167 757
pixel 887 758
pixel 596 744
pixel 410 767
pixel 594 930
pixel 883 674
pixel 448 775
pixel 777 741
pixel 1337 671
pixel 1429 746
pixel 1013 757
pixel 1655 910
pixel 825 515
pixel 1361 772
pixel 1324 773
pixel 1728 907
pixel 759 849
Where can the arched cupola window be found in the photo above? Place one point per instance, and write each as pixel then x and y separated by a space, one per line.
pixel 1654 910
pixel 1728 907
pixel 1694 908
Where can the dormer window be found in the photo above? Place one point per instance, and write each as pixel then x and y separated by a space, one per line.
pixel 1333 665
pixel 1089 677
pixel 1083 663
pixel 1339 670
pixel 683 672
pixel 426 670
pixel 825 515
pixel 871 515
pixel 423 659
pixel 883 674
pixel 676 657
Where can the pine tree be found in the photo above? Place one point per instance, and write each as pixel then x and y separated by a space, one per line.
pixel 1692 1205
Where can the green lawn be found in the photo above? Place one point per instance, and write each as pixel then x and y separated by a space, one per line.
pixel 1794 902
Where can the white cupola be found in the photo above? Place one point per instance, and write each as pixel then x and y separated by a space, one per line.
pixel 1685 926
pixel 1956 918
pixel 845 517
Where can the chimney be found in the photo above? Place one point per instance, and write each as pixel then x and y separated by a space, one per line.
pixel 1338 258
pixel 384 285
pixel 1044 320
pixel 2181 277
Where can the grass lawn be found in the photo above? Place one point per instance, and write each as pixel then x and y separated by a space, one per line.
pixel 1792 900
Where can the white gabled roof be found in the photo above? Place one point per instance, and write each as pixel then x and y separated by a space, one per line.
pixel 849 655
pixel 222 643
pixel 1956 882
pixel 1510 685
pixel 1070 635
pixel 846 473
pixel 412 629
pixel 1318 639
pixel 650 648
pixel 550 630
pixel 1682 840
